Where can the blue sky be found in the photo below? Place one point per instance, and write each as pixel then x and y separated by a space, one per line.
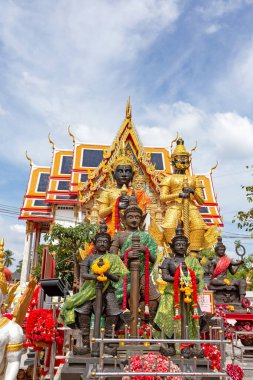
pixel 187 66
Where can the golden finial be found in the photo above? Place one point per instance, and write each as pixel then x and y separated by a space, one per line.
pixel 128 109
pixel 51 142
pixel 213 168
pixel 28 158
pixel 71 134
pixel 173 141
pixel 3 284
pixel 193 149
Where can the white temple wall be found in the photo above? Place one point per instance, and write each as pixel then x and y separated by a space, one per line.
pixel 65 216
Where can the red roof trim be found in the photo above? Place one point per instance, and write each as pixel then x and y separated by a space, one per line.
pixel 64 201
pixel 35 196
pixel 35 219
pixel 64 178
pixel 36 209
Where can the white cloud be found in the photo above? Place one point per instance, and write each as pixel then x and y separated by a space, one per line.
pixel 14 238
pixel 19 228
pixel 218 8
pixel 213 28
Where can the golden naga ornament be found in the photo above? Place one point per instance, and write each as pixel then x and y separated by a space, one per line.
pixel 3 283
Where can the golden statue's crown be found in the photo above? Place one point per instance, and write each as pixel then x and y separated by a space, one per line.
pixel 123 159
pixel 3 283
pixel 180 148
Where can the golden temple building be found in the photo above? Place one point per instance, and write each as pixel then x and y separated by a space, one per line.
pixel 67 191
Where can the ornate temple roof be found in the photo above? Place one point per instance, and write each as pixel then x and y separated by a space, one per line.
pixel 76 176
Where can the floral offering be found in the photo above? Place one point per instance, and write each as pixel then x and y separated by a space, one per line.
pixel 152 362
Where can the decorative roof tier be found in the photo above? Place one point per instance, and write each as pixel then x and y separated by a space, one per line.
pixel 77 176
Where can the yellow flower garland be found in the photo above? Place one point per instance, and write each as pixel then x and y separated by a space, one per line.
pixel 100 269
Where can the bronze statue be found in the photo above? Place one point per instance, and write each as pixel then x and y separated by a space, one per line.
pixel 226 290
pixel 114 200
pixel 122 245
pixel 178 305
pixel 99 270
pixel 178 191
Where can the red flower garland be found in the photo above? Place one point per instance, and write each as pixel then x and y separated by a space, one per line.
pixel 124 306
pixel 146 312
pixel 116 221
pixel 176 293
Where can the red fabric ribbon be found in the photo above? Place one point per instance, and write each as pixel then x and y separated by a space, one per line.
pixel 221 266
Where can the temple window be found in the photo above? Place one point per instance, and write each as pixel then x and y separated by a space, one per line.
pixel 66 164
pixel 204 210
pixel 92 158
pixel 43 181
pixel 63 185
pixel 84 177
pixel 208 220
pixel 157 158
pixel 39 202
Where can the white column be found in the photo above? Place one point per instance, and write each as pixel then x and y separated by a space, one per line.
pixel 26 264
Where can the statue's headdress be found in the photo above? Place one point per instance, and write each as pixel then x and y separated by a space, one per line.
pixel 180 148
pixel 179 234
pixel 102 231
pixel 3 283
pixel 122 158
pixel 219 243
pixel 133 205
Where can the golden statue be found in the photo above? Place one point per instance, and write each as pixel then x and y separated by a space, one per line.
pixel 11 334
pixel 182 192
pixel 113 201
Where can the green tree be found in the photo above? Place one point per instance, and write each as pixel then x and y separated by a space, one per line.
pixel 8 258
pixel 65 242
pixel 245 218
pixel 19 266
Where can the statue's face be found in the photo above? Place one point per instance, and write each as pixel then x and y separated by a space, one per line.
pixel 133 219
pixel 180 247
pixel 181 162
pixel 139 183
pixel 102 244
pixel 220 251
pixel 123 175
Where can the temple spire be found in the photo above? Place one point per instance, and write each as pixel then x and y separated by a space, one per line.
pixel 128 109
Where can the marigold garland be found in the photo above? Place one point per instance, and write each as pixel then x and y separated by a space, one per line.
pixel 100 269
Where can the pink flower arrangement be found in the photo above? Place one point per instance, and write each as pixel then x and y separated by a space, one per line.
pixel 151 362
pixel 235 372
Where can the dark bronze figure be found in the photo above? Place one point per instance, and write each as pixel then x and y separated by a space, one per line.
pixel 226 290
pixel 122 241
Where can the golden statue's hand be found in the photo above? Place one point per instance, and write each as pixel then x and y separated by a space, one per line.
pixel 184 195
pixel 188 190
